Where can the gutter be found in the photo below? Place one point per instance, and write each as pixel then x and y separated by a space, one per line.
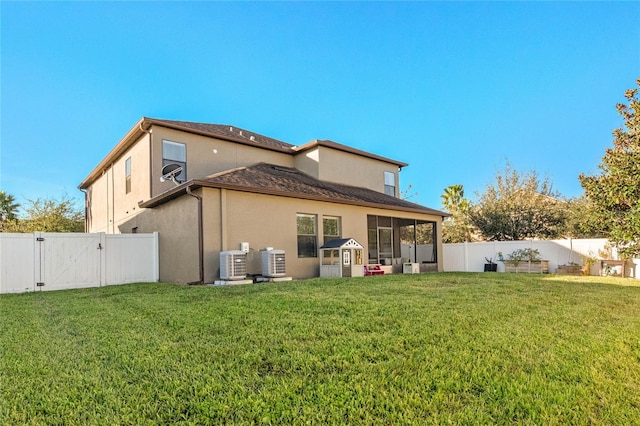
pixel 198 183
pixel 200 237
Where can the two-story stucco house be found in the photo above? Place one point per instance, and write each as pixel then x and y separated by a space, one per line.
pixel 238 187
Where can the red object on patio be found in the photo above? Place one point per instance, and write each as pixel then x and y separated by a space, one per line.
pixel 373 270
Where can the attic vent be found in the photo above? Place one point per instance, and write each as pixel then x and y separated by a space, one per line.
pixel 282 169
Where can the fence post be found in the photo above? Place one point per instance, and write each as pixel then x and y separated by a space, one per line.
pixel 37 261
pixel 466 257
pixel 102 246
pixel 156 260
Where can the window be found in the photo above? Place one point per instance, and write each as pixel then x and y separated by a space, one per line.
pixel 175 153
pixel 307 239
pixel 330 257
pixel 330 228
pixel 390 183
pixel 127 175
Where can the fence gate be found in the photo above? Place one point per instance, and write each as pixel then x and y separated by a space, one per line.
pixel 69 260
pixel 55 261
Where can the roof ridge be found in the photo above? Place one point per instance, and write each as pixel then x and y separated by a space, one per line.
pixel 228 130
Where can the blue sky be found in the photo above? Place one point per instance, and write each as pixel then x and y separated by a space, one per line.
pixel 455 89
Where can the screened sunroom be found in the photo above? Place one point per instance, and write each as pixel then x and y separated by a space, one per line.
pixel 397 241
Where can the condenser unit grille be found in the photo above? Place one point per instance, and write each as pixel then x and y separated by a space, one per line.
pixel 233 265
pixel 273 263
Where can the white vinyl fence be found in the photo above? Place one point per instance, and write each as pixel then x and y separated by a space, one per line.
pixel 470 257
pixel 55 261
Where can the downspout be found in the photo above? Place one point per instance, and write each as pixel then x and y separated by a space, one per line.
pixel 86 211
pixel 113 202
pixel 150 159
pixel 200 237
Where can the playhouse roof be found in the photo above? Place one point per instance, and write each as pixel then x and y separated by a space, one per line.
pixel 342 243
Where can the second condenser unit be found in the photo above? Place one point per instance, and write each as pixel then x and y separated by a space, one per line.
pixel 273 263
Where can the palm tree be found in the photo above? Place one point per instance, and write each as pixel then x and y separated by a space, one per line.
pixel 456 229
pixel 8 207
pixel 453 198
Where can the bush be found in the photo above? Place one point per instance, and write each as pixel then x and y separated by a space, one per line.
pixel 520 255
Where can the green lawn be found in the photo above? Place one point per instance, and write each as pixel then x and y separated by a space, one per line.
pixel 437 348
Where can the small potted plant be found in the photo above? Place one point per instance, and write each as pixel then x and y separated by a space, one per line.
pixel 490 266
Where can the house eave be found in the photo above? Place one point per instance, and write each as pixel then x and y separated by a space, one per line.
pixel 175 126
pixel 125 143
pixel 143 125
pixel 344 148
pixel 194 184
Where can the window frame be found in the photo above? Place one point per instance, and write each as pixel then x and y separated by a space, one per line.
pixel 307 240
pixel 390 183
pixel 127 175
pixel 326 237
pixel 167 159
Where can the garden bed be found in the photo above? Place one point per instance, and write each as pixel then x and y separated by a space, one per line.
pixel 570 270
pixel 527 266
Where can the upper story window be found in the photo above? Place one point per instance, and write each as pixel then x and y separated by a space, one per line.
pixel 330 228
pixel 307 236
pixel 127 175
pixel 175 153
pixel 390 183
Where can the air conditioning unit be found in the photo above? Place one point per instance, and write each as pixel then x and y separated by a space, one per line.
pixel 273 263
pixel 233 265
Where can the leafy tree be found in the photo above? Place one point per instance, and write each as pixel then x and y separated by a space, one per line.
pixel 49 215
pixel 615 192
pixel 456 228
pixel 584 221
pixel 517 207
pixel 407 193
pixel 8 207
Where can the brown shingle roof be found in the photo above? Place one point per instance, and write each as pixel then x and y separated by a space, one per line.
pixel 226 131
pixel 285 181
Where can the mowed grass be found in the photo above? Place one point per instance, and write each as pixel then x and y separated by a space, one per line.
pixel 409 349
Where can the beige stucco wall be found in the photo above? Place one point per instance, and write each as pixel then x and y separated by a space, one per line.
pixel 177 225
pixel 330 164
pixel 232 217
pixel 308 162
pixel 206 156
pixel 108 203
pixel 270 221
